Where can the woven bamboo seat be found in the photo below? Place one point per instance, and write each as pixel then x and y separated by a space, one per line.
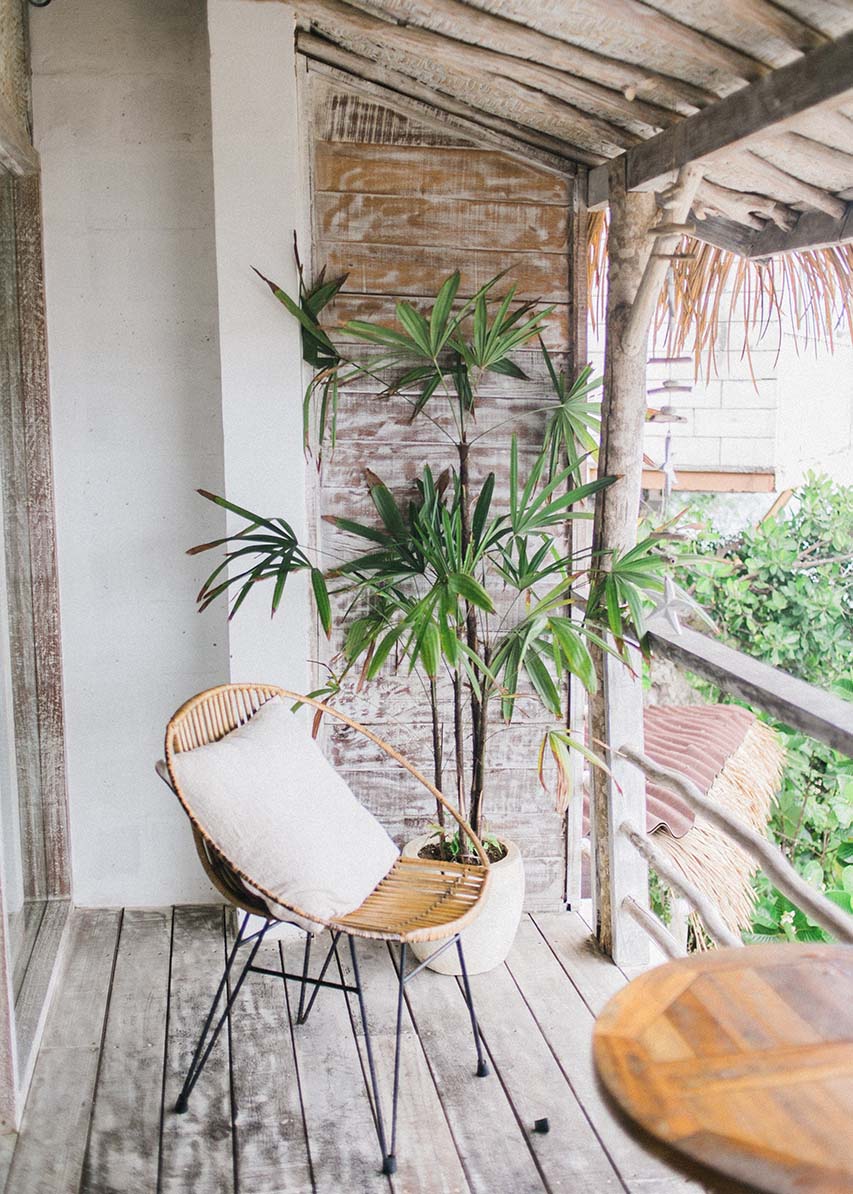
pixel 418 896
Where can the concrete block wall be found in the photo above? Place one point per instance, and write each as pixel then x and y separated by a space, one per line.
pixel 789 409
pixel 730 422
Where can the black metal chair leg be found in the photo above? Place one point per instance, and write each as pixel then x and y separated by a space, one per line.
pixel 199 1059
pixel 309 937
pixel 303 1015
pixel 389 1163
pixel 482 1067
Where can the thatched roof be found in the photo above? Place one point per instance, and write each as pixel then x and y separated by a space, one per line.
pixel 806 293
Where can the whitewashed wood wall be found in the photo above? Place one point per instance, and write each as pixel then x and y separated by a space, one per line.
pixel 399 206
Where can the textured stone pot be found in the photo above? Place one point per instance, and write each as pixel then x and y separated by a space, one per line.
pixel 488 940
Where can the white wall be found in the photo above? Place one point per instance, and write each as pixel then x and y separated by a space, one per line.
pixel 261 199
pixel 148 292
pixel 122 123
pixel 815 412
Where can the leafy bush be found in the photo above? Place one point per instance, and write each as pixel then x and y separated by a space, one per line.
pixel 783 592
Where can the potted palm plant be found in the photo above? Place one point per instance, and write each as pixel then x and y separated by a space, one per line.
pixel 469 586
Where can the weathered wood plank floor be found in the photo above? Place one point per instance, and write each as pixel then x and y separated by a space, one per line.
pixel 282 1109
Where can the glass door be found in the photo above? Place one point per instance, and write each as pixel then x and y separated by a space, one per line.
pixel 25 871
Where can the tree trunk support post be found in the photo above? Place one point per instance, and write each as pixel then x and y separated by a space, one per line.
pixel 616 711
pixel 578 532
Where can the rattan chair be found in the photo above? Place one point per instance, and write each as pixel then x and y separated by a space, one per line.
pixel 418 900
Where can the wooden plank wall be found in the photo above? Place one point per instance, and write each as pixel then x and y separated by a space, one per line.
pixel 398 206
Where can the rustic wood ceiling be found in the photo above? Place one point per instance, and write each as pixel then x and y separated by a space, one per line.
pixel 578 82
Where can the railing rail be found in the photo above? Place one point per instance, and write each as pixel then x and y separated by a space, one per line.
pixel 674 879
pixel 772 861
pixel 794 702
pixel 653 927
pixel 625 915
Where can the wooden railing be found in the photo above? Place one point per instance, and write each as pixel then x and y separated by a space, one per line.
pixel 797 704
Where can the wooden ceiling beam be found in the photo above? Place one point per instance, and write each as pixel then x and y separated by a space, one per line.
pixel 824 75
pixel 413 100
pixel 743 207
pixel 824 156
pixel 782 24
pixel 491 82
pixel 777 178
pixel 726 234
pixel 813 230
pixel 636 19
pixel 459 21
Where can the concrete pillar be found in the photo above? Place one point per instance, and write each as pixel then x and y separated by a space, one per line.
pixel 261 197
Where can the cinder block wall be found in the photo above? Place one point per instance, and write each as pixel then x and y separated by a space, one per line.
pixel 786 409
pixel 731 420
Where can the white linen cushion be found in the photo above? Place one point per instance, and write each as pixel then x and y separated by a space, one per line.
pixel 273 805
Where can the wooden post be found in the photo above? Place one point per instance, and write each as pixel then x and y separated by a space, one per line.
pixel 616 710
pixel 579 533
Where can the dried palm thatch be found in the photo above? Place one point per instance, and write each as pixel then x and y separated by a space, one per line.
pixel 707 857
pixel 711 295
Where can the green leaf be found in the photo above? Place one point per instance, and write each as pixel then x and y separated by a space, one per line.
pixel 541 680
pixel 377 334
pixel 357 528
pixel 383 650
pixel 510 682
pixel 844 899
pixel 470 590
pixel 309 325
pixel 508 368
pixel 430 649
pixel 449 643
pixel 575 650
pixel 426 393
pixel 255 519
pixel 386 506
pixel 441 311
pixel 513 479
pixel 481 510
pixel 321 597
pixel 416 326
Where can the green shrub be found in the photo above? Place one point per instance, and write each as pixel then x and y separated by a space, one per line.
pixel 783 592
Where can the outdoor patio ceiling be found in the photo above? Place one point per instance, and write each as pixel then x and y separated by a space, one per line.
pixel 574 83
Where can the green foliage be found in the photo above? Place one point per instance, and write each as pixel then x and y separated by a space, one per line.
pixel 783 592
pixel 572 428
pixel 453 583
pixel 318 351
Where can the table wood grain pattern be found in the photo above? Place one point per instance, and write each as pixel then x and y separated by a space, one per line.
pixel 742 1060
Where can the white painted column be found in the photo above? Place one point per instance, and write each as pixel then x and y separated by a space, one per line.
pixel 261 195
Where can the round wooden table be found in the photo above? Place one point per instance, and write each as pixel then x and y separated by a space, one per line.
pixel 742 1060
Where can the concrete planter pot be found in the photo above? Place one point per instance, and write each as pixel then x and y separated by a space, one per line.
pixel 489 939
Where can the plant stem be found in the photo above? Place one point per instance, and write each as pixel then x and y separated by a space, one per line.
pixel 459 741
pixel 436 747
pixel 477 727
pixel 479 761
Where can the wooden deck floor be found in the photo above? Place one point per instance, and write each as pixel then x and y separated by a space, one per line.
pixel 286 1110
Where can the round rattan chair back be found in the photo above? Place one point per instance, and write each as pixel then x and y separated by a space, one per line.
pixel 211 715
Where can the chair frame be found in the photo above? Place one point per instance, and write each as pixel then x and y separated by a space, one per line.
pixel 206 718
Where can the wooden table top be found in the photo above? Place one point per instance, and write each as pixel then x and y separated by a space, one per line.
pixel 742 1060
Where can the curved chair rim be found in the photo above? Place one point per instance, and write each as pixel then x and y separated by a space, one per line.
pixel 264 692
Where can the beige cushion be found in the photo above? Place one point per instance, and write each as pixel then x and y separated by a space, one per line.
pixel 274 806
